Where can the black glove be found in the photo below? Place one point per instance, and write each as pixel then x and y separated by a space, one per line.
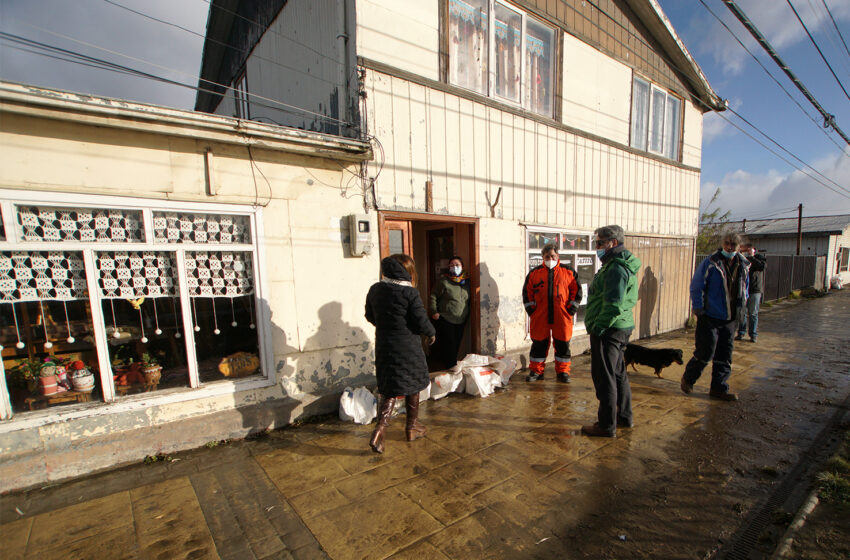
pixel 572 308
pixel 530 310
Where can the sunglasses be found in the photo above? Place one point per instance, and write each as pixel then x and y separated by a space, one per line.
pixel 600 242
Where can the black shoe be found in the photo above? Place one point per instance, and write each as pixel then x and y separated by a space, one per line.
pixel 739 337
pixel 595 431
pixel 753 339
pixel 534 376
pixel 686 387
pixel 564 377
pixel 723 396
pixel 623 424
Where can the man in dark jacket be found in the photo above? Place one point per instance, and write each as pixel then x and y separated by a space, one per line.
pixel 749 320
pixel 551 296
pixel 609 320
pixel 718 291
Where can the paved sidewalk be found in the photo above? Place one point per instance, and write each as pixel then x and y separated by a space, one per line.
pixel 503 477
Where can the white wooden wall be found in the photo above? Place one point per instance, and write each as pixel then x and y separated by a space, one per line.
pixel 548 176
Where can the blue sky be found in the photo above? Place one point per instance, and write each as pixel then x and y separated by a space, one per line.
pixel 753 183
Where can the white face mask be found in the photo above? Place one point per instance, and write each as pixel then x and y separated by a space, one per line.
pixel 455 270
pixel 551 264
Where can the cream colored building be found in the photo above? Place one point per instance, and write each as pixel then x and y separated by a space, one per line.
pixel 221 244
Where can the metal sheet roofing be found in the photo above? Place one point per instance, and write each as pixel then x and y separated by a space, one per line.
pixel 787 226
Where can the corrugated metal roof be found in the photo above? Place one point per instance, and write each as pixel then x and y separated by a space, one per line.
pixel 785 226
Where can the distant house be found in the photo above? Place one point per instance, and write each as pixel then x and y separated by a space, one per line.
pixel 827 236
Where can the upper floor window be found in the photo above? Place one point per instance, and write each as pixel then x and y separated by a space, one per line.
pixel 844 259
pixel 656 119
pixel 512 60
pixel 240 96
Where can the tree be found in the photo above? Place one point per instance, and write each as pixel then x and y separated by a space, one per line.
pixel 712 224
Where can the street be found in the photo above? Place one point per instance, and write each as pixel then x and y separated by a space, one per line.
pixel 503 477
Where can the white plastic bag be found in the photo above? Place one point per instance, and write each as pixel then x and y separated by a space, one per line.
pixel 481 380
pixel 506 368
pixel 358 405
pixel 445 383
pixel 425 393
pixel 835 283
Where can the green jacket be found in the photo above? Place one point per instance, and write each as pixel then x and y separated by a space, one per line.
pixel 450 300
pixel 613 293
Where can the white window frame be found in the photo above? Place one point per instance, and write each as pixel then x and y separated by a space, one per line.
pixel 844 253
pixel 240 96
pixel 590 252
pixel 524 95
pixel 650 125
pixel 9 199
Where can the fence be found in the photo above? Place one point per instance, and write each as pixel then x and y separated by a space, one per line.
pixel 785 273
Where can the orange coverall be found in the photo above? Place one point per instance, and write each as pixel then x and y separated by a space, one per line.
pixel 551 298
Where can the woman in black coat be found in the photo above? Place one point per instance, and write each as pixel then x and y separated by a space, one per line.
pixel 395 308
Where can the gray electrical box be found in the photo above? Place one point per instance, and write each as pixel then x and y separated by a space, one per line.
pixel 361 234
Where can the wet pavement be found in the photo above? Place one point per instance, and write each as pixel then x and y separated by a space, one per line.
pixel 507 476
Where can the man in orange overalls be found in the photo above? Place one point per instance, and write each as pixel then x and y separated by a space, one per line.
pixel 551 296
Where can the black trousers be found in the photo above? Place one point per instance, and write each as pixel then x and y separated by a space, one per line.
pixel 447 343
pixel 714 341
pixel 608 370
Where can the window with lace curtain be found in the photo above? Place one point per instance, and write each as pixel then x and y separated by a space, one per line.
pixel 656 119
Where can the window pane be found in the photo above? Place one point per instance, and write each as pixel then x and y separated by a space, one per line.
pixel 221 288
pixel 656 129
pixel 575 242
pixel 396 241
pixel 46 330
pixel 184 227
pixel 144 326
pixel 468 45
pixel 671 128
pixel 539 64
pixel 508 39
pixel 568 259
pixel 538 240
pixel 640 113
pixel 43 223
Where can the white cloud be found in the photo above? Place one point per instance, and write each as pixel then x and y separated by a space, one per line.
pixel 776 22
pixel 751 195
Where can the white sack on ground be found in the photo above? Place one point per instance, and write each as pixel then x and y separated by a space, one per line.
pixel 484 373
pixel 357 405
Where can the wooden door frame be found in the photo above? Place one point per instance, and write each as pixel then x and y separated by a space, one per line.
pixel 474 259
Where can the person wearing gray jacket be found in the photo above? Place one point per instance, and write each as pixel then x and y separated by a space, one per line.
pixel 749 320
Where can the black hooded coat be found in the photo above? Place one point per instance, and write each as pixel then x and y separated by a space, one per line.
pixel 399 317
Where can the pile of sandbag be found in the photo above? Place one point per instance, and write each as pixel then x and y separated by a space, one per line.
pixel 475 374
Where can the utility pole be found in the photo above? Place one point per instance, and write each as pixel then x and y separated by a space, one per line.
pixel 799 227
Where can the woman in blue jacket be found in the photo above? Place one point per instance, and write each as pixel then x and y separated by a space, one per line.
pixel 718 291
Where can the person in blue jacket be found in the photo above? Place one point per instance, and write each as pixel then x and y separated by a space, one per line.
pixel 719 289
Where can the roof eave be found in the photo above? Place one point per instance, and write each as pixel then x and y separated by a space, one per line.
pixel 651 14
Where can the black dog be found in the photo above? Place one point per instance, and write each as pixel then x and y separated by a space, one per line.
pixel 658 358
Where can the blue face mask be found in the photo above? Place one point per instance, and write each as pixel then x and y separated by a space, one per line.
pixel 601 252
pixel 727 254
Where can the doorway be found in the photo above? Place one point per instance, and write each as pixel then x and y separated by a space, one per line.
pixel 432 241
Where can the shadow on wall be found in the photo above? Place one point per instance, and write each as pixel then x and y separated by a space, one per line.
pixel 490 323
pixel 315 386
pixel 648 296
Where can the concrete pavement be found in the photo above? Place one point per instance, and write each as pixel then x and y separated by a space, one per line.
pixel 503 477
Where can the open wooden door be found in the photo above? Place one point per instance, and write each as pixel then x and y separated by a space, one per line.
pixel 396 237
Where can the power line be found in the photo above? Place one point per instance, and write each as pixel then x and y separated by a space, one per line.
pixel 106 65
pixel 812 39
pixel 836 27
pixel 222 43
pixel 830 34
pixel 780 146
pixel 829 120
pixel 772 77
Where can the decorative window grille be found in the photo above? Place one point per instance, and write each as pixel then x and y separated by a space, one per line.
pixel 181 227
pixel 42 275
pixel 43 223
pixel 136 274
pixel 219 273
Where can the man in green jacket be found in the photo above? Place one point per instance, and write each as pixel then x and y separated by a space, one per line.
pixel 609 320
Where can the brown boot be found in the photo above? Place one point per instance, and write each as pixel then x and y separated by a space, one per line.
pixel 384 413
pixel 415 429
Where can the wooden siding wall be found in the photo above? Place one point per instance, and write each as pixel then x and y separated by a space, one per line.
pixel 663 283
pixel 620 36
pixel 547 176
